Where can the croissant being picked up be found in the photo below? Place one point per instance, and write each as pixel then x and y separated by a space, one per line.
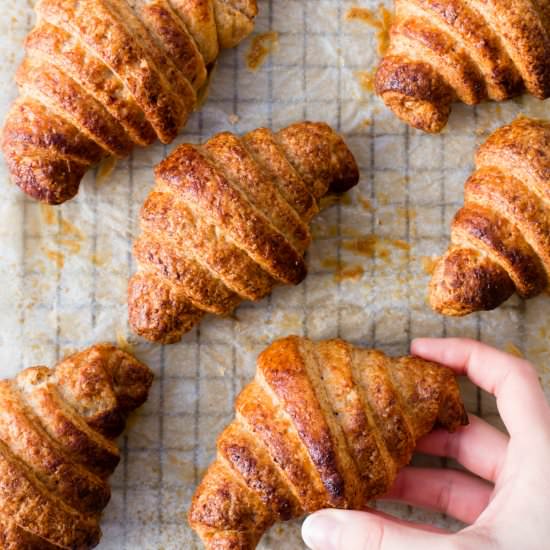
pixel 323 425
pixel 500 239
pixel 57 448
pixel 228 220
pixel 471 51
pixel 102 76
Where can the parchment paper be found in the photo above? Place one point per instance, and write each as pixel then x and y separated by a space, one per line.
pixel 63 271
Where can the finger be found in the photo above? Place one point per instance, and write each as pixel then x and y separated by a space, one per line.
pixel 343 530
pixel 457 494
pixel 513 381
pixel 479 447
pixel 399 521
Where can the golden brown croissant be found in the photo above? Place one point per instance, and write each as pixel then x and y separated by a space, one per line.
pixel 322 425
pixel 101 76
pixel 501 237
pixel 463 50
pixel 57 449
pixel 228 220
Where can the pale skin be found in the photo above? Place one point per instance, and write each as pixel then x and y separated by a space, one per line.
pixel 504 501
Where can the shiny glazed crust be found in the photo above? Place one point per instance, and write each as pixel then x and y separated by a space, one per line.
pixel 228 220
pixel 500 239
pixel 57 449
pixel 443 51
pixel 102 76
pixel 323 425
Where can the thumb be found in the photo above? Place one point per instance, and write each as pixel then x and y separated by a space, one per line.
pixel 344 530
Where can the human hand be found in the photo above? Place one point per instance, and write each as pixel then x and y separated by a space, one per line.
pixel 506 507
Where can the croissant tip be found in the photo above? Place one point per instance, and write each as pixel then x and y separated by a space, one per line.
pixel 415 92
pixel 44 184
pixel 465 280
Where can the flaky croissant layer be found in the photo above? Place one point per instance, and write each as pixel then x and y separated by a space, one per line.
pixel 443 51
pixel 102 76
pixel 57 449
pixel 228 220
pixel 323 425
pixel 500 239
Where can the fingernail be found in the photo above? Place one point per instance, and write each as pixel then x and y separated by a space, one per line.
pixel 320 531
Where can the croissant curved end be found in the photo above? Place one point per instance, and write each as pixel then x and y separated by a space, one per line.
pixel 156 312
pixel 101 365
pixel 235 21
pixel 418 113
pixel 51 181
pixel 464 281
pixel 131 379
pixel 415 93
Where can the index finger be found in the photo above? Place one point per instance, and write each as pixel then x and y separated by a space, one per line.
pixel 514 381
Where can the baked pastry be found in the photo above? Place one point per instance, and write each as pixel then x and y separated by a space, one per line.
pixel 102 76
pixel 500 240
pixel 443 51
pixel 323 425
pixel 57 449
pixel 228 220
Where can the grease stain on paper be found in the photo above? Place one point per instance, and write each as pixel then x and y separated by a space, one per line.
pixel 372 246
pixel 381 21
pixel 365 203
pixel 350 273
pixel 366 80
pixel 429 264
pixel 330 200
pixel 512 349
pixel 261 47
pixel 68 239
pixel 105 169
pixel 56 257
pixel 342 270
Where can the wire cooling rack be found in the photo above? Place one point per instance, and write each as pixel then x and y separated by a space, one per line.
pixel 63 271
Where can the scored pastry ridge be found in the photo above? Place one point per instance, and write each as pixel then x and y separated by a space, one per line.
pixel 443 51
pixel 323 424
pixel 500 239
pixel 228 220
pixel 57 430
pixel 103 76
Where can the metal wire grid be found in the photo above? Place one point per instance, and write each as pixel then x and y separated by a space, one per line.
pixel 172 441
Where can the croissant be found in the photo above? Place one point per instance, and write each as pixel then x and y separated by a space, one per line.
pixel 228 220
pixel 322 425
pixel 443 51
pixel 57 449
pixel 102 76
pixel 500 239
